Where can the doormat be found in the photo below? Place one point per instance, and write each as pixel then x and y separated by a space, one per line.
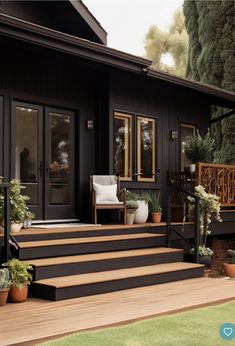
pixel 65 225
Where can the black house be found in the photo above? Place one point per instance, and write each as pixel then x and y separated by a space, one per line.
pixel 71 107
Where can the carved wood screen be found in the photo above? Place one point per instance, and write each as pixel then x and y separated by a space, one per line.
pixel 219 180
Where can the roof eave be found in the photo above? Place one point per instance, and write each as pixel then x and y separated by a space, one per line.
pixel 90 20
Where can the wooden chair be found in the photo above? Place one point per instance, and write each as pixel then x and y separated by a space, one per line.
pixel 111 198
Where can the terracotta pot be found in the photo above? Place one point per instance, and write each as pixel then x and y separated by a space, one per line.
pixel 229 269
pixel 156 217
pixel 17 295
pixel 3 296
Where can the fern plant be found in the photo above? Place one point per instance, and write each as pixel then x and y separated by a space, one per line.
pixel 198 148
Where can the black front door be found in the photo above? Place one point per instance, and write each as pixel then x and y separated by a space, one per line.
pixel 44 159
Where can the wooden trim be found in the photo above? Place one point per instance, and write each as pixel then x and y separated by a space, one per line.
pixel 153 121
pixel 189 126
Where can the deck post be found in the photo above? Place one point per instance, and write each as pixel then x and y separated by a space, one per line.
pixel 168 217
pixel 197 230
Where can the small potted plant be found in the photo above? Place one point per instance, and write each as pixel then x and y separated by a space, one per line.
pixel 155 207
pixel 20 279
pixel 18 208
pixel 229 267
pixel 198 149
pixel 208 205
pixel 131 207
pixel 5 284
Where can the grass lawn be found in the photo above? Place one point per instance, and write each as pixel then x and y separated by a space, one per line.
pixel 198 327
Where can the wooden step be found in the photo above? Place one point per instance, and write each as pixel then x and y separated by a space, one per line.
pixel 70 265
pixel 73 246
pixel 115 280
pixel 34 234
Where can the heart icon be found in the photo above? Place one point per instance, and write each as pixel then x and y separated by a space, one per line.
pixel 228 331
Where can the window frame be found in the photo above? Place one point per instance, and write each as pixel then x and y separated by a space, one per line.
pixel 127 117
pixel 139 118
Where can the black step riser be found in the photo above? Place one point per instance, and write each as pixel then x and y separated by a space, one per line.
pixel 104 265
pixel 86 248
pixel 51 293
pixel 88 233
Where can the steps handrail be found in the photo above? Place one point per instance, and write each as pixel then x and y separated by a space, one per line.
pixel 6 244
pixel 175 188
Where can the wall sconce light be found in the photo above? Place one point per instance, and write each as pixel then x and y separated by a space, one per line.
pixel 89 124
pixel 174 135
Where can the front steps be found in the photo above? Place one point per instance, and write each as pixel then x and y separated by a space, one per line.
pixel 87 262
pixel 115 280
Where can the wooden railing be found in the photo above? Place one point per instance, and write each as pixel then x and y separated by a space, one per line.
pixel 218 180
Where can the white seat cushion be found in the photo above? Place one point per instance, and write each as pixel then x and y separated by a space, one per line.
pixel 106 194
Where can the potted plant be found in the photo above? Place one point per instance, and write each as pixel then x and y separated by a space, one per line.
pixel 18 208
pixel 229 267
pixel 131 207
pixel 155 207
pixel 5 284
pixel 142 212
pixel 209 206
pixel 198 149
pixel 20 279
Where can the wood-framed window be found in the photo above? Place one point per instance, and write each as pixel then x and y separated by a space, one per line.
pixel 186 131
pixel 122 145
pixel 146 140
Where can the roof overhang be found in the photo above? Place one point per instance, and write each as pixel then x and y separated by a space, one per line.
pixel 55 40
pixel 90 20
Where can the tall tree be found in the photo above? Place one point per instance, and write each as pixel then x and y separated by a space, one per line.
pixel 211 59
pixel 173 42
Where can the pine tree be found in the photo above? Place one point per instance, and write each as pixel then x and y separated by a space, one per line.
pixel 211 59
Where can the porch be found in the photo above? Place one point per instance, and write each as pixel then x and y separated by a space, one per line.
pixel 117 308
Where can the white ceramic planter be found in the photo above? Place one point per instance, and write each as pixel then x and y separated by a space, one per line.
pixel 192 168
pixel 142 212
pixel 16 227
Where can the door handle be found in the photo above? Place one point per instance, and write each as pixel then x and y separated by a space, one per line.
pixel 43 169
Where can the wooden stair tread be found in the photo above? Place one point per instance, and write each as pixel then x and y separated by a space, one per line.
pixel 92 278
pixel 100 256
pixel 70 241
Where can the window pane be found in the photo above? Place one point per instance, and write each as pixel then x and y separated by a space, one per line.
pixel 186 131
pixel 26 156
pixel 146 149
pixel 122 145
pixel 59 159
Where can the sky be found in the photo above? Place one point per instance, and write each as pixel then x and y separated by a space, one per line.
pixel 127 21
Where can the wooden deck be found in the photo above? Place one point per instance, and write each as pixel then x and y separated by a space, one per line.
pixel 30 322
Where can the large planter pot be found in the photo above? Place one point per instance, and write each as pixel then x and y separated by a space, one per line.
pixel 3 296
pixel 156 217
pixel 206 260
pixel 141 214
pixel 229 269
pixel 17 295
pixel 130 216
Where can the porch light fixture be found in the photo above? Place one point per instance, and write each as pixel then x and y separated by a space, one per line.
pixel 89 124
pixel 174 135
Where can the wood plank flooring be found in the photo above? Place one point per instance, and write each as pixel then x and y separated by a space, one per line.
pixel 48 319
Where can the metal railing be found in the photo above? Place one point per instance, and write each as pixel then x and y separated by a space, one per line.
pixel 6 244
pixel 219 180
pixel 172 189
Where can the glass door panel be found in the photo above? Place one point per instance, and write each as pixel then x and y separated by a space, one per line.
pixel 59 159
pixel 28 153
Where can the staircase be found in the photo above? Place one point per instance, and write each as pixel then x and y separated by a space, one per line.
pixel 78 263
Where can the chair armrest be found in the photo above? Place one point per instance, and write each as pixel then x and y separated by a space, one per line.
pixel 123 192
